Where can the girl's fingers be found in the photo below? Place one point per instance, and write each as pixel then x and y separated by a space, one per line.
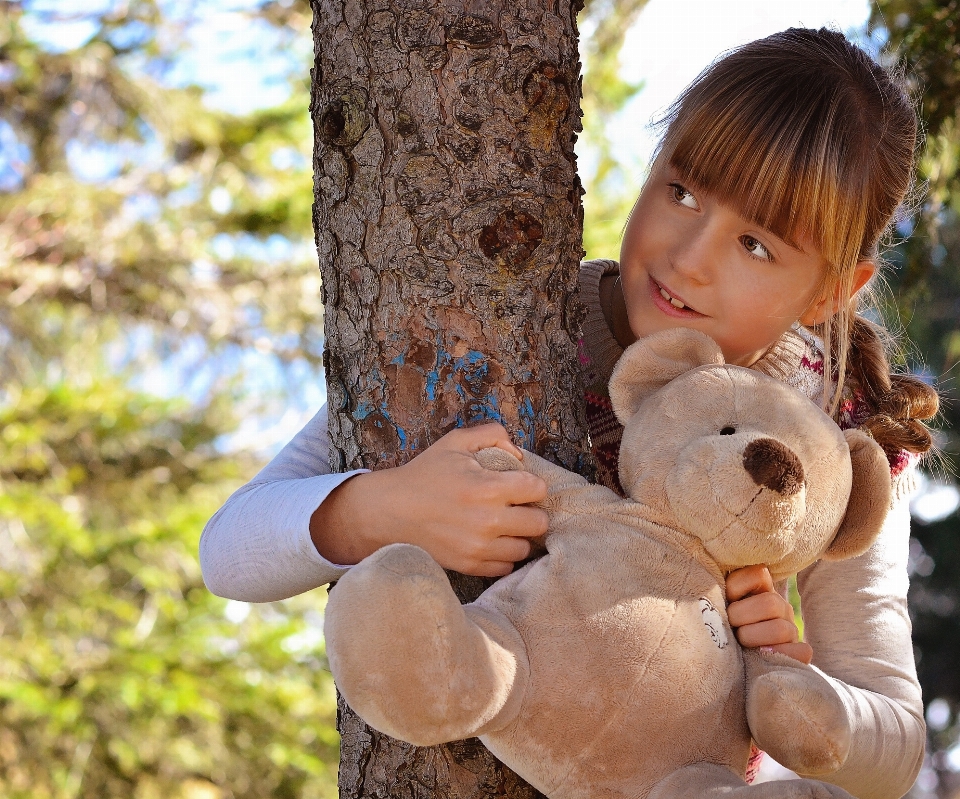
pixel 757 608
pixel 493 568
pixel 508 488
pixel 507 549
pixel 473 439
pixel 747 581
pixel 525 522
pixel 520 488
pixel 760 616
pixel 772 632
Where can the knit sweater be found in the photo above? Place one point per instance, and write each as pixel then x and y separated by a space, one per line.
pixel 257 548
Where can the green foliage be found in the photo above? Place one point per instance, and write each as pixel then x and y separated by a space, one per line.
pixel 924 37
pixel 927 34
pixel 120 675
pixel 138 236
pixel 612 187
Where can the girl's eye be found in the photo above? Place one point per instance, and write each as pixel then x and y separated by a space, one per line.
pixel 755 248
pixel 684 197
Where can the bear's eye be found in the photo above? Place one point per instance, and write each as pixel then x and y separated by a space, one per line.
pixel 728 431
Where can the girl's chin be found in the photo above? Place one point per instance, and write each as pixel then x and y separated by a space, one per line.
pixel 734 359
pixel 656 322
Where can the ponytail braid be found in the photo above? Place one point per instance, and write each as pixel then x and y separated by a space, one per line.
pixel 899 403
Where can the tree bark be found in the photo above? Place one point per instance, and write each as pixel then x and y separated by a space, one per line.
pixel 448 225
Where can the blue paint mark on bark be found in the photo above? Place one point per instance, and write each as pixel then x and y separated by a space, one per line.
pixel 433 379
pixel 468 378
pixel 471 376
pixel 364 409
pixel 526 425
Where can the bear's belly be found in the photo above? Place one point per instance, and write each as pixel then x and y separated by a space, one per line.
pixel 630 670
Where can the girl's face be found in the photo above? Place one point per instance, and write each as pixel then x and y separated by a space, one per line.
pixel 689 261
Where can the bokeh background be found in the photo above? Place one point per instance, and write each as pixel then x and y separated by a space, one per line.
pixel 160 338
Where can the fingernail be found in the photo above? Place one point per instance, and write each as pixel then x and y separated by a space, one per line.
pixel 767 649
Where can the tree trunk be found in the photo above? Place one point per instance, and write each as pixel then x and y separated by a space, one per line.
pixel 448 224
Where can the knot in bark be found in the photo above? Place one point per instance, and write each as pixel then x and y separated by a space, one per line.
pixel 511 237
pixel 343 119
pixel 473 31
pixel 543 83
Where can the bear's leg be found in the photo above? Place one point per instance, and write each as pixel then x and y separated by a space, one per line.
pixel 413 662
pixel 795 714
pixel 710 781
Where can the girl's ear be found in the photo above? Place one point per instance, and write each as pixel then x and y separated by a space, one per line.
pixel 869 498
pixel 826 306
pixel 653 361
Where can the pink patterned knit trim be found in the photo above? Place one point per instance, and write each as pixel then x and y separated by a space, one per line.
pixel 753 764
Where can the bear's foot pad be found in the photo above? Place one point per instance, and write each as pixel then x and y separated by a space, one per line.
pixel 798 718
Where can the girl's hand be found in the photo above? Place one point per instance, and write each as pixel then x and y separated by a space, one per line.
pixel 468 518
pixel 761 617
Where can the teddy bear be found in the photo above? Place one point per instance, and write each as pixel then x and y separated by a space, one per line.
pixel 607 668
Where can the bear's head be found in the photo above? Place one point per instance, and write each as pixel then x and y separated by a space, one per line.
pixel 742 461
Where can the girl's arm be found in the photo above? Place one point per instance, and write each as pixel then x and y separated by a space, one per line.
pixel 470 519
pixel 855 617
pixel 257 547
pixel 295 527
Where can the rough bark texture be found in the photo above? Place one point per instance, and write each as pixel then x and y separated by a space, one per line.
pixel 448 225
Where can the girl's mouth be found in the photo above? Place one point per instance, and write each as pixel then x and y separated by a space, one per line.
pixel 669 303
pixel 671 299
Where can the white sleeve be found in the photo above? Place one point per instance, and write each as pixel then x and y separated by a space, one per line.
pixel 855 618
pixel 257 547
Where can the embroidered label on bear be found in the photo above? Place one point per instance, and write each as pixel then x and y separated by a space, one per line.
pixel 713 621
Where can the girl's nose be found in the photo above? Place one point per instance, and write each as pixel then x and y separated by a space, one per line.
pixel 693 253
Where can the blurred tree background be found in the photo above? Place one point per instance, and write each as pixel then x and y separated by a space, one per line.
pixel 925 296
pixel 160 332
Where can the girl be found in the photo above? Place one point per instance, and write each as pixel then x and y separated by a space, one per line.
pixel 780 169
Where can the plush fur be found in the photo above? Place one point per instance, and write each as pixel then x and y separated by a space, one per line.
pixel 607 668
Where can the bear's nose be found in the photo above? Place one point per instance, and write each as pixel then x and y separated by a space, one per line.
pixel 774 466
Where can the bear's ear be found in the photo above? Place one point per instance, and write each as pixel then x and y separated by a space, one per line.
pixel 655 360
pixel 869 498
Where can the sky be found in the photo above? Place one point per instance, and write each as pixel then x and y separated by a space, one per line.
pixel 237 60
pixel 674 40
